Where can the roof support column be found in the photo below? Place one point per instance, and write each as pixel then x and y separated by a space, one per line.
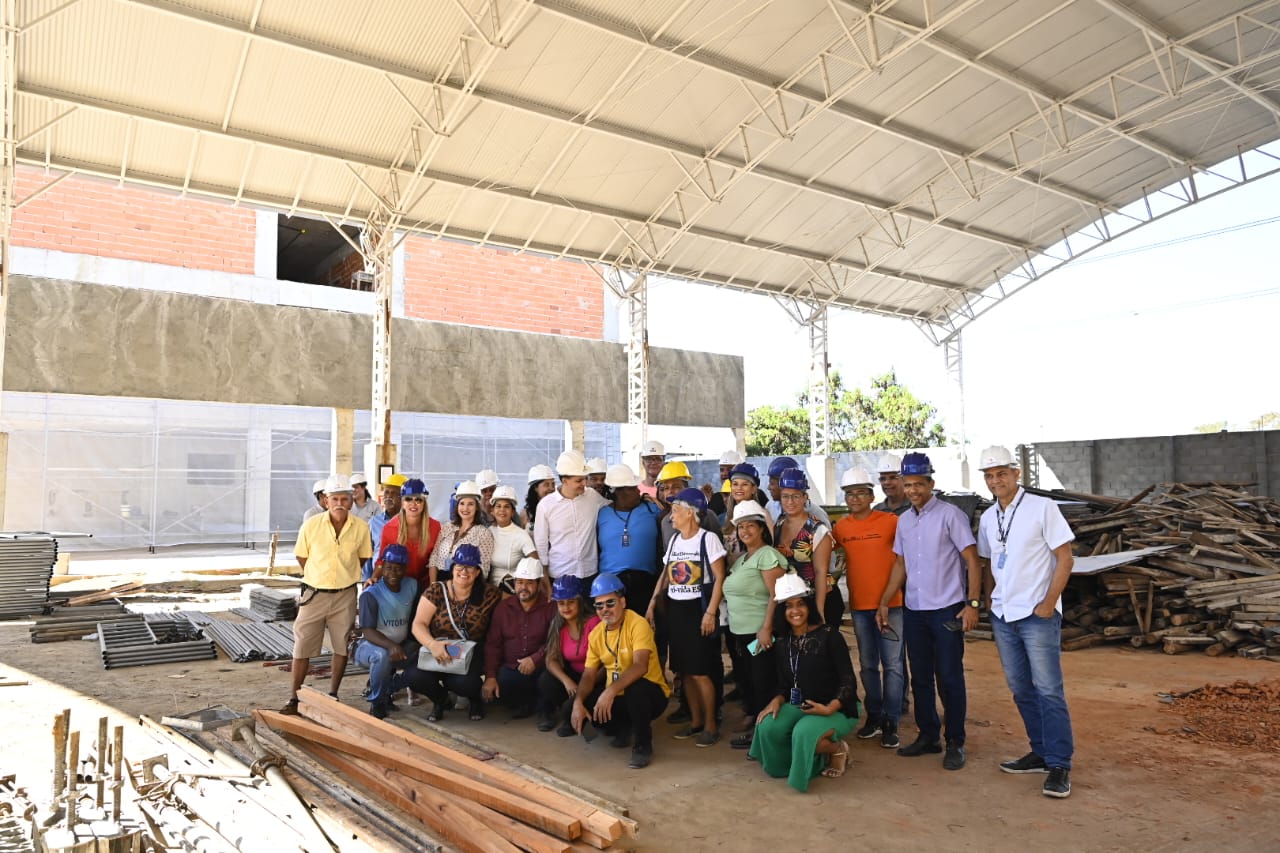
pixel 953 354
pixel 822 467
pixel 637 300
pixel 377 244
pixel 8 159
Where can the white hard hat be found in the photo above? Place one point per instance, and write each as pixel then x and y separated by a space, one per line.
pixel 749 511
pixel 790 586
pixel 996 457
pixel 538 473
pixel 571 463
pixel 731 457
pixel 597 466
pixel 856 477
pixel 318 486
pixel 620 476
pixel 360 477
pixel 528 569
pixel 486 478
pixel 504 493
pixel 467 489
pixel 890 464
pixel 336 484
pixel 653 448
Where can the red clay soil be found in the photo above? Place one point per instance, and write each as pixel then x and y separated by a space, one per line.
pixel 1239 714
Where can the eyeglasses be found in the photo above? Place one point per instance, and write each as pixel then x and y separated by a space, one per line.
pixel 795 497
pixel 607 604
pixel 884 477
pixel 457 567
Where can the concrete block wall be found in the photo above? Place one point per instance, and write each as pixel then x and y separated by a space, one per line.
pixel 1122 467
pixel 457 283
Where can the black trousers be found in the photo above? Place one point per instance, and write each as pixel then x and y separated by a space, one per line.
pixel 436 685
pixel 639 586
pixel 635 710
pixel 552 697
pixel 757 675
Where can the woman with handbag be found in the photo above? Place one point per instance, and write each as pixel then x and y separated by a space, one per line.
pixel 465 527
pixel 451 622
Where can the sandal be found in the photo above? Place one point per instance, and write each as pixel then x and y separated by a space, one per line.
pixel 837 763
pixel 742 741
pixel 477 711
pixel 437 713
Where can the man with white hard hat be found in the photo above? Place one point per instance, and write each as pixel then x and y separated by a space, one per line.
pixel 895 499
pixel 564 530
pixel 330 550
pixel 515 648
pixel 652 457
pixel 866 535
pixel 727 460
pixel 487 481
pixel 597 468
pixel 317 491
pixel 1025 545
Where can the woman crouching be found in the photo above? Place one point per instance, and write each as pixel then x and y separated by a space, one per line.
pixel 799 733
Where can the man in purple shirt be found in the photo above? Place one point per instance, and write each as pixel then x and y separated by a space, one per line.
pixel 515 648
pixel 938 561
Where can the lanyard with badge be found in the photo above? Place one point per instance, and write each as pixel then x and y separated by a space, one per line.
pixel 1002 532
pixel 616 669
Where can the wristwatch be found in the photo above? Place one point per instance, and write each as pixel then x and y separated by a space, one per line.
pixel 975 603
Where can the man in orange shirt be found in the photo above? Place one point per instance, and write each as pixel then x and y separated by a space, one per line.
pixel 867 538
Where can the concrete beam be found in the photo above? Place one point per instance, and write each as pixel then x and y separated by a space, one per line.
pixel 69 337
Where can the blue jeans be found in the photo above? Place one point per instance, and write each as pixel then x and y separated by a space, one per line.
pixel 1031 654
pixel 875 650
pixel 380 666
pixel 937 657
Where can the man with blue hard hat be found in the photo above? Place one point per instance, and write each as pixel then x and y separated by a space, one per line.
pixel 938 562
pixel 386 614
pixel 622 688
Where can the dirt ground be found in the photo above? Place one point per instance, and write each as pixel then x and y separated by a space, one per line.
pixel 1141 780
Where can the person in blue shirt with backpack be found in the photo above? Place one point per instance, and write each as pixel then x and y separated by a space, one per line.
pixel 386 614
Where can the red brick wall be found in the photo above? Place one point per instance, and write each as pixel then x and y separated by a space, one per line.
pixel 339 275
pixel 459 283
pixel 95 217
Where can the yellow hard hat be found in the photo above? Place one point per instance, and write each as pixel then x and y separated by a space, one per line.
pixel 724 489
pixel 674 471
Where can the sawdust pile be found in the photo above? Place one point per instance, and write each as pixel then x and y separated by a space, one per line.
pixel 1240 714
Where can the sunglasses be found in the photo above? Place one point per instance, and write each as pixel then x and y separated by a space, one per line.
pixel 606 604
pixel 415 499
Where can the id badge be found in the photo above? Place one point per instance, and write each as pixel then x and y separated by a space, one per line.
pixel 1000 561
pixel 796 698
pixel 613 676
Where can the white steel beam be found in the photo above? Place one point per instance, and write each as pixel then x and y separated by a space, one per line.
pixel 8 170
pixel 819 387
pixel 953 357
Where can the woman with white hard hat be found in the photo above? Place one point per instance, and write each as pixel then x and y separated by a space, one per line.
pixel 414 528
pixel 511 542
pixel 542 482
pixel 465 527
pixel 566 654
pixel 487 481
pixel 799 734
pixel 748 591
pixel 806 543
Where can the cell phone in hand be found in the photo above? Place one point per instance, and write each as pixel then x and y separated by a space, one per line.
pixel 953 625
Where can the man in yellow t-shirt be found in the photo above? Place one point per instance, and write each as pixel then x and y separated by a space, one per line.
pixel 867 538
pixel 622 687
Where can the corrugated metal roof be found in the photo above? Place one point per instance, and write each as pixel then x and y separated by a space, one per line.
pixel 915 160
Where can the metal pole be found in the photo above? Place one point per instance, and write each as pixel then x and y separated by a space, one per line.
pixel 637 294
pixel 377 243
pixel 8 161
pixel 953 354
pixel 819 389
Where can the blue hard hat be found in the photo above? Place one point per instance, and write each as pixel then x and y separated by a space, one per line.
pixel 745 469
pixel 693 497
pixel 566 588
pixel 782 463
pixel 917 465
pixel 606 584
pixel 793 478
pixel 413 488
pixel 467 555
pixel 395 553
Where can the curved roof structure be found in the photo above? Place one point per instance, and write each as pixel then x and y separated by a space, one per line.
pixel 920 158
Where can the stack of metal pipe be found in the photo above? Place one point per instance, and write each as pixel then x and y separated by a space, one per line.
pixel 26 564
pixel 136 643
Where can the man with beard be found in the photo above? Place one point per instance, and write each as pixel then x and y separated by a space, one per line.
pixel 515 648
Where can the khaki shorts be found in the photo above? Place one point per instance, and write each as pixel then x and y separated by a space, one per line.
pixel 331 611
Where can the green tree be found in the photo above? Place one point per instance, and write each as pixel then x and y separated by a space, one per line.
pixel 1269 420
pixel 1216 426
pixel 884 416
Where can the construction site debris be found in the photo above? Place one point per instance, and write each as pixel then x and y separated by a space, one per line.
pixel 1240 714
pixel 26 564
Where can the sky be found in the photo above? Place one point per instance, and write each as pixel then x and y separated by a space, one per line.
pixel 1168 327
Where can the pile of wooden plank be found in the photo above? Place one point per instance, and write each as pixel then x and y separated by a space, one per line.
pixel 1215 587
pixel 470 804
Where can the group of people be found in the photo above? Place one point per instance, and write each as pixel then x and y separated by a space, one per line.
pixel 573 611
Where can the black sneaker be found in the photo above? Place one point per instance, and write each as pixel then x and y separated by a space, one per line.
pixel 889 735
pixel 1029 763
pixel 379 710
pixel 869 729
pixel 920 747
pixel 621 740
pixel 640 757
pixel 545 723
pixel 1058 783
pixel 565 730
pixel 954 759
pixel 522 712
pixel 680 715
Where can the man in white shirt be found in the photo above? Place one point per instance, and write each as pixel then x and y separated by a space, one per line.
pixel 1025 544
pixel 564 530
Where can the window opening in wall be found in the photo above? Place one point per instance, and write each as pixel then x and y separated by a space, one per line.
pixel 312 252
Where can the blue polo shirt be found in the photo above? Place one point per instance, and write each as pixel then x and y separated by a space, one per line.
pixel 642 527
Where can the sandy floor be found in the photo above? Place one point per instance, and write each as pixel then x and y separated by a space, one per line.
pixel 1140 782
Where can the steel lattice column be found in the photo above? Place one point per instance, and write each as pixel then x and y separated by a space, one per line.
pixel 819 388
pixel 377 242
pixel 8 158
pixel 637 297
pixel 953 354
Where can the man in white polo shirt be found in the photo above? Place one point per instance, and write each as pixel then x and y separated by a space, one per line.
pixel 564 530
pixel 1025 544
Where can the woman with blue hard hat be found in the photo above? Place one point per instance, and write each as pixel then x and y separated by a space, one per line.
pixel 414 528
pixel 566 654
pixel 459 607
pixel 806 543
pixel 692 586
pixel 799 734
pixel 465 527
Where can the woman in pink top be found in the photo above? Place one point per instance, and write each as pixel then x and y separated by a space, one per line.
pixel 566 655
